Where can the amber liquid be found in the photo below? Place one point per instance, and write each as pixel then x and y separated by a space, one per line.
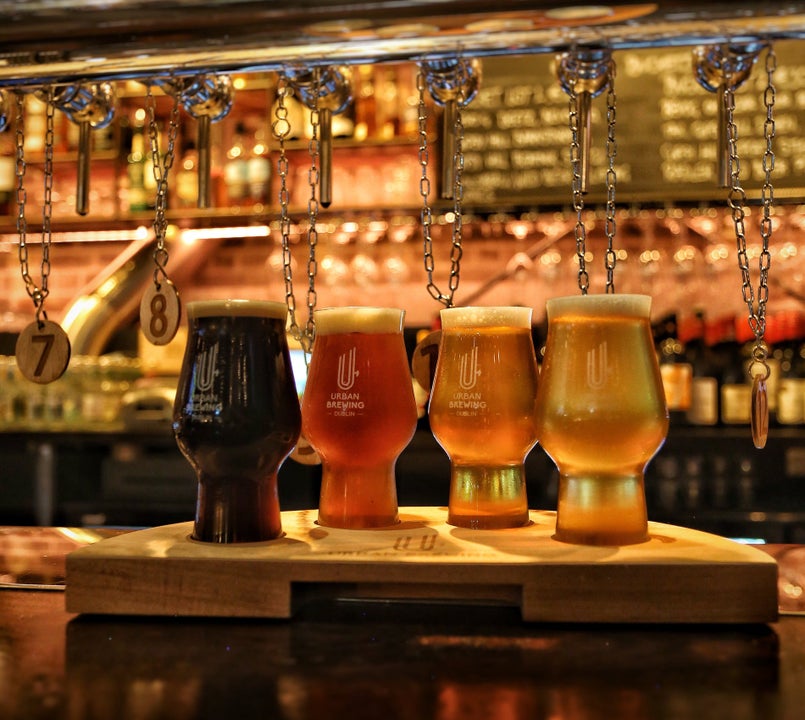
pixel 601 416
pixel 236 418
pixel 359 413
pixel 482 412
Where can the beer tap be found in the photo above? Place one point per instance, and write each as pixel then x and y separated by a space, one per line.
pixel 208 99
pixel 583 75
pixel 453 83
pixel 329 91
pixel 716 66
pixel 90 106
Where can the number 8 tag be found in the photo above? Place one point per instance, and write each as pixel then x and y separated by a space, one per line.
pixel 160 311
pixel 43 351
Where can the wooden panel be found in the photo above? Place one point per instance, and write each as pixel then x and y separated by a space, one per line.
pixel 679 575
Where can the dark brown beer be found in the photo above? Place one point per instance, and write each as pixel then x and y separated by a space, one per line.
pixel 236 416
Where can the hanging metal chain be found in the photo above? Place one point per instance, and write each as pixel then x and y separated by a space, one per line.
pixel 43 347
pixel 161 169
pixel 610 257
pixel 580 230
pixel 281 129
pixel 571 79
pixel 426 214
pixel 37 293
pixel 737 201
pixel 755 303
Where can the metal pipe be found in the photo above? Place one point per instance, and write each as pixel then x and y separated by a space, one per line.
pixel 133 39
pixel 82 181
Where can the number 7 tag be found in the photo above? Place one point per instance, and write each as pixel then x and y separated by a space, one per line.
pixel 43 351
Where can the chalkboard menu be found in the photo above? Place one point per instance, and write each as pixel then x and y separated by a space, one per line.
pixel 517 136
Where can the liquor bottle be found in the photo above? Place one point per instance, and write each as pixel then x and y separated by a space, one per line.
pixel 676 373
pixel 703 408
pixel 236 171
pixel 365 104
pixel 258 170
pixel 187 177
pixel 736 390
pixel 136 168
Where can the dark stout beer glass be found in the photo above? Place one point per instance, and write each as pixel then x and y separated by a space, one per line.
pixel 236 416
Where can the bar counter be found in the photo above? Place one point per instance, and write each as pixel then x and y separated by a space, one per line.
pixel 359 659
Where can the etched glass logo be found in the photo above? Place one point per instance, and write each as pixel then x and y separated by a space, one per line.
pixel 468 369
pixel 597 369
pixel 346 370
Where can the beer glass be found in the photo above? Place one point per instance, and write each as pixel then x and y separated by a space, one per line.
pixel 236 416
pixel 601 414
pixel 482 412
pixel 358 413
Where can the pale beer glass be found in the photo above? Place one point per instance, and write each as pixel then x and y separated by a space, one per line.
pixel 601 414
pixel 358 413
pixel 236 416
pixel 482 412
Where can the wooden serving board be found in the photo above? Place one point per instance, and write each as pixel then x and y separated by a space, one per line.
pixel 678 576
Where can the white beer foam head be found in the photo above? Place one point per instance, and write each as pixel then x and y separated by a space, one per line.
pixel 237 308
pixel 492 316
pixel 602 305
pixel 340 320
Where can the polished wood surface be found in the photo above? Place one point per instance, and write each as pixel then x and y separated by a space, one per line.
pixel 374 660
pixel 670 578
pixel 348 658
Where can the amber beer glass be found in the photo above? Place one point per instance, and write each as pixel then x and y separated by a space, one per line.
pixel 358 413
pixel 601 414
pixel 482 412
pixel 236 416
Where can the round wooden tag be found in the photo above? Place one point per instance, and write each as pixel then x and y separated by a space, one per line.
pixel 304 453
pixel 160 313
pixel 43 351
pixel 423 361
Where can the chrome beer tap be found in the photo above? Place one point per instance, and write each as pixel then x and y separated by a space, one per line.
pixel 90 106
pixel 583 75
pixel 718 68
pixel 453 83
pixel 327 90
pixel 208 99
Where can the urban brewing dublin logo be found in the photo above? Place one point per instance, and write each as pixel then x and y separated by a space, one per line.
pixel 465 402
pixel 597 369
pixel 345 402
pixel 204 402
pixel 346 370
pixel 468 369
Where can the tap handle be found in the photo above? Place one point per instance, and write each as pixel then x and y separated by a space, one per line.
pixel 583 74
pixel 90 106
pixel 717 67
pixel 209 101
pixel 453 83
pixel 329 89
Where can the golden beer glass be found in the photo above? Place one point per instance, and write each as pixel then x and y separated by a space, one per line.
pixel 601 414
pixel 482 412
pixel 358 413
pixel 236 416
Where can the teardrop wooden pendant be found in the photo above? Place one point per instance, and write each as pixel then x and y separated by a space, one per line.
pixel 760 412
